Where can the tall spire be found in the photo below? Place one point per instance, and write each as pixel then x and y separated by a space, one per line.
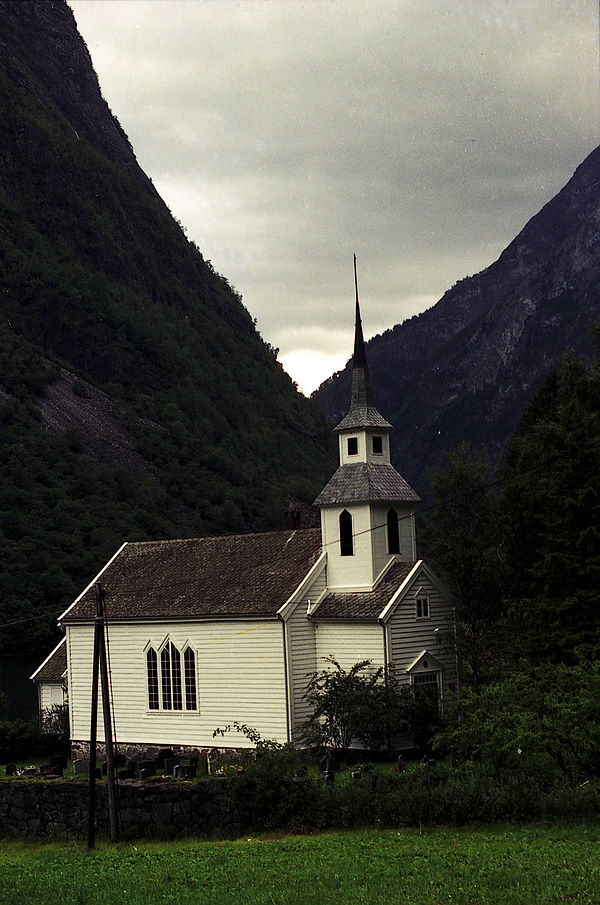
pixel 362 411
pixel 361 394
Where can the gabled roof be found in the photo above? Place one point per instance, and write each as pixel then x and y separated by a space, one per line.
pixel 237 575
pixel 54 667
pixel 367 604
pixel 366 482
pixel 425 657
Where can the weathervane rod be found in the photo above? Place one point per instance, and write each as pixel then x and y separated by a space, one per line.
pixel 355 281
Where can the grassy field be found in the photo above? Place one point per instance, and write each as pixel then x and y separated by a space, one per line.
pixel 491 866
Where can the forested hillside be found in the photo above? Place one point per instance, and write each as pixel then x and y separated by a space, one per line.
pixel 191 426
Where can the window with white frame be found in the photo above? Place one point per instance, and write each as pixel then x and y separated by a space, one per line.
pixel 422 607
pixel 427 687
pixel 167 687
pixel 189 660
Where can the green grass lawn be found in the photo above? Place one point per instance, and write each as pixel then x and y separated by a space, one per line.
pixel 488 866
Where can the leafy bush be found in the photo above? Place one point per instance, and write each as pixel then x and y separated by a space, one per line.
pixel 54 731
pixel 271 789
pixel 269 786
pixel 541 723
pixel 366 705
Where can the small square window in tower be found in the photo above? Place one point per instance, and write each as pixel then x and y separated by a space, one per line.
pixel 352 446
pixel 377 446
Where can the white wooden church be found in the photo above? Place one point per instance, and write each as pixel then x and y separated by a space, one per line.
pixel 205 632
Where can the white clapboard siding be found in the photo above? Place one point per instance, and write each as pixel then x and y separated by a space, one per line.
pixel 301 650
pixel 240 672
pixel 409 635
pixel 302 665
pixel 51 695
pixel 349 642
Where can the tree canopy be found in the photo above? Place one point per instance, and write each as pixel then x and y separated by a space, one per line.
pixel 551 504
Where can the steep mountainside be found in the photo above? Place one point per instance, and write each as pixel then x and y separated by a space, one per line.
pixel 464 369
pixel 137 399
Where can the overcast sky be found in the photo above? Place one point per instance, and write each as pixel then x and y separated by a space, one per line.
pixel 287 135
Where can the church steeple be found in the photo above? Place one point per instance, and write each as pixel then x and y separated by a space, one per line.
pixel 361 395
pixel 367 507
pixel 362 412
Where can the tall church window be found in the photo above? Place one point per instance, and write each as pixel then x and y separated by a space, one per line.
pixel 393 532
pixel 189 662
pixel 167 691
pixel 352 446
pixel 152 670
pixel 346 539
pixel 165 671
pixel 377 445
pixel 176 677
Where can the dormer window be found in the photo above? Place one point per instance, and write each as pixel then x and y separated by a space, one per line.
pixel 352 446
pixel 377 446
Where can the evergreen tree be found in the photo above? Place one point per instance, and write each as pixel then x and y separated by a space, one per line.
pixel 465 538
pixel 551 481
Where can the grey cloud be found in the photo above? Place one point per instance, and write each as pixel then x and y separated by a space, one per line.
pixel 287 135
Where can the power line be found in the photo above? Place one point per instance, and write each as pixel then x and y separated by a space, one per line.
pixel 178 585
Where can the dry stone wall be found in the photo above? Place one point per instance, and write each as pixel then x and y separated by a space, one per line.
pixel 58 808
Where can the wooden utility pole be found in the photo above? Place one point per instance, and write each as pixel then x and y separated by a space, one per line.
pixel 108 734
pixel 98 634
pixel 100 666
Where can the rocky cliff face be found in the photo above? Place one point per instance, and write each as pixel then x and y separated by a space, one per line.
pixel 464 369
pixel 137 399
pixel 60 75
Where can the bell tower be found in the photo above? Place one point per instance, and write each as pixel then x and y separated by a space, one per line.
pixel 367 508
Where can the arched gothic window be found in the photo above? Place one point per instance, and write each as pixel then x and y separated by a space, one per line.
pixel 172 684
pixel 189 662
pixel 152 670
pixel 346 539
pixel 165 672
pixel 393 532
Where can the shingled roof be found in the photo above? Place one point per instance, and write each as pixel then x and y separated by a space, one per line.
pixel 238 575
pixel 361 417
pixel 366 482
pixel 54 667
pixel 364 605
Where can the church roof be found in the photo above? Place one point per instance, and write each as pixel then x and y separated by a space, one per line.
pixel 366 482
pixel 236 575
pixel 361 417
pixel 366 604
pixel 54 666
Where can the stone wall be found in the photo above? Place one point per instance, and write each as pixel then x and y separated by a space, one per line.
pixel 59 808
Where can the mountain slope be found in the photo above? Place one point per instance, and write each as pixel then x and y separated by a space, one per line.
pixel 464 369
pixel 136 397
